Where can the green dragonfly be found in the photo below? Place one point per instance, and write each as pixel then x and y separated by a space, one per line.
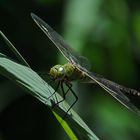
pixel 76 69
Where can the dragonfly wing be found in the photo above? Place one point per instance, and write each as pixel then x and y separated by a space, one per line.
pixel 81 63
pixel 116 90
pixel 59 42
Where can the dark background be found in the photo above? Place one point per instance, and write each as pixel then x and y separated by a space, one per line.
pixel 106 32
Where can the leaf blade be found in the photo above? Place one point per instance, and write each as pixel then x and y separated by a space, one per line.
pixel 30 81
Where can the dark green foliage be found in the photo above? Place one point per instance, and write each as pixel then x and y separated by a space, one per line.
pixel 106 32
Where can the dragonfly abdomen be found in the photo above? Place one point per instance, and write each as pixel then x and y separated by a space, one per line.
pixel 130 91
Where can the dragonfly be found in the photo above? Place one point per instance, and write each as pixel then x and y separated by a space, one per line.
pixel 77 69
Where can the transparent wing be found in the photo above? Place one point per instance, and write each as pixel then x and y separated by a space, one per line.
pixel 64 48
pixel 116 90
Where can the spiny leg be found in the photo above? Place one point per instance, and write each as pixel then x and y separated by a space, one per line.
pixel 56 89
pixel 49 89
pixel 63 93
pixel 76 97
pixel 69 85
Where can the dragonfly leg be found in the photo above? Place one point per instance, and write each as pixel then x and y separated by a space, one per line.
pixel 69 85
pixel 76 97
pixel 63 93
pixel 56 89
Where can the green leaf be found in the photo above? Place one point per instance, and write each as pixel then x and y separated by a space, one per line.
pixel 31 82
pixel 66 127
pixel 14 50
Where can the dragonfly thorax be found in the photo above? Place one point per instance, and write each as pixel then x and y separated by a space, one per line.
pixel 67 72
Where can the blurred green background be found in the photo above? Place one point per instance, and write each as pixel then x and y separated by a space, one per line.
pixel 107 32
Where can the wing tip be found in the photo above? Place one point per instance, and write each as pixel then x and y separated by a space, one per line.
pixel 34 16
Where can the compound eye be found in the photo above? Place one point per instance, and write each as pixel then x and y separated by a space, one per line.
pixel 61 70
pixel 53 73
pixel 55 70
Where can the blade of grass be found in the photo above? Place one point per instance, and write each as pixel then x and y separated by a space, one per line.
pixel 66 127
pixel 31 82
pixel 14 50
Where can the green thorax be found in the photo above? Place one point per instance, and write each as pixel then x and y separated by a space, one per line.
pixel 66 72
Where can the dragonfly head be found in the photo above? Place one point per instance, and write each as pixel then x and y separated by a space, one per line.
pixel 57 72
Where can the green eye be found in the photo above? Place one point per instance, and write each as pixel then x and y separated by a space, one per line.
pixel 53 72
pixel 61 70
